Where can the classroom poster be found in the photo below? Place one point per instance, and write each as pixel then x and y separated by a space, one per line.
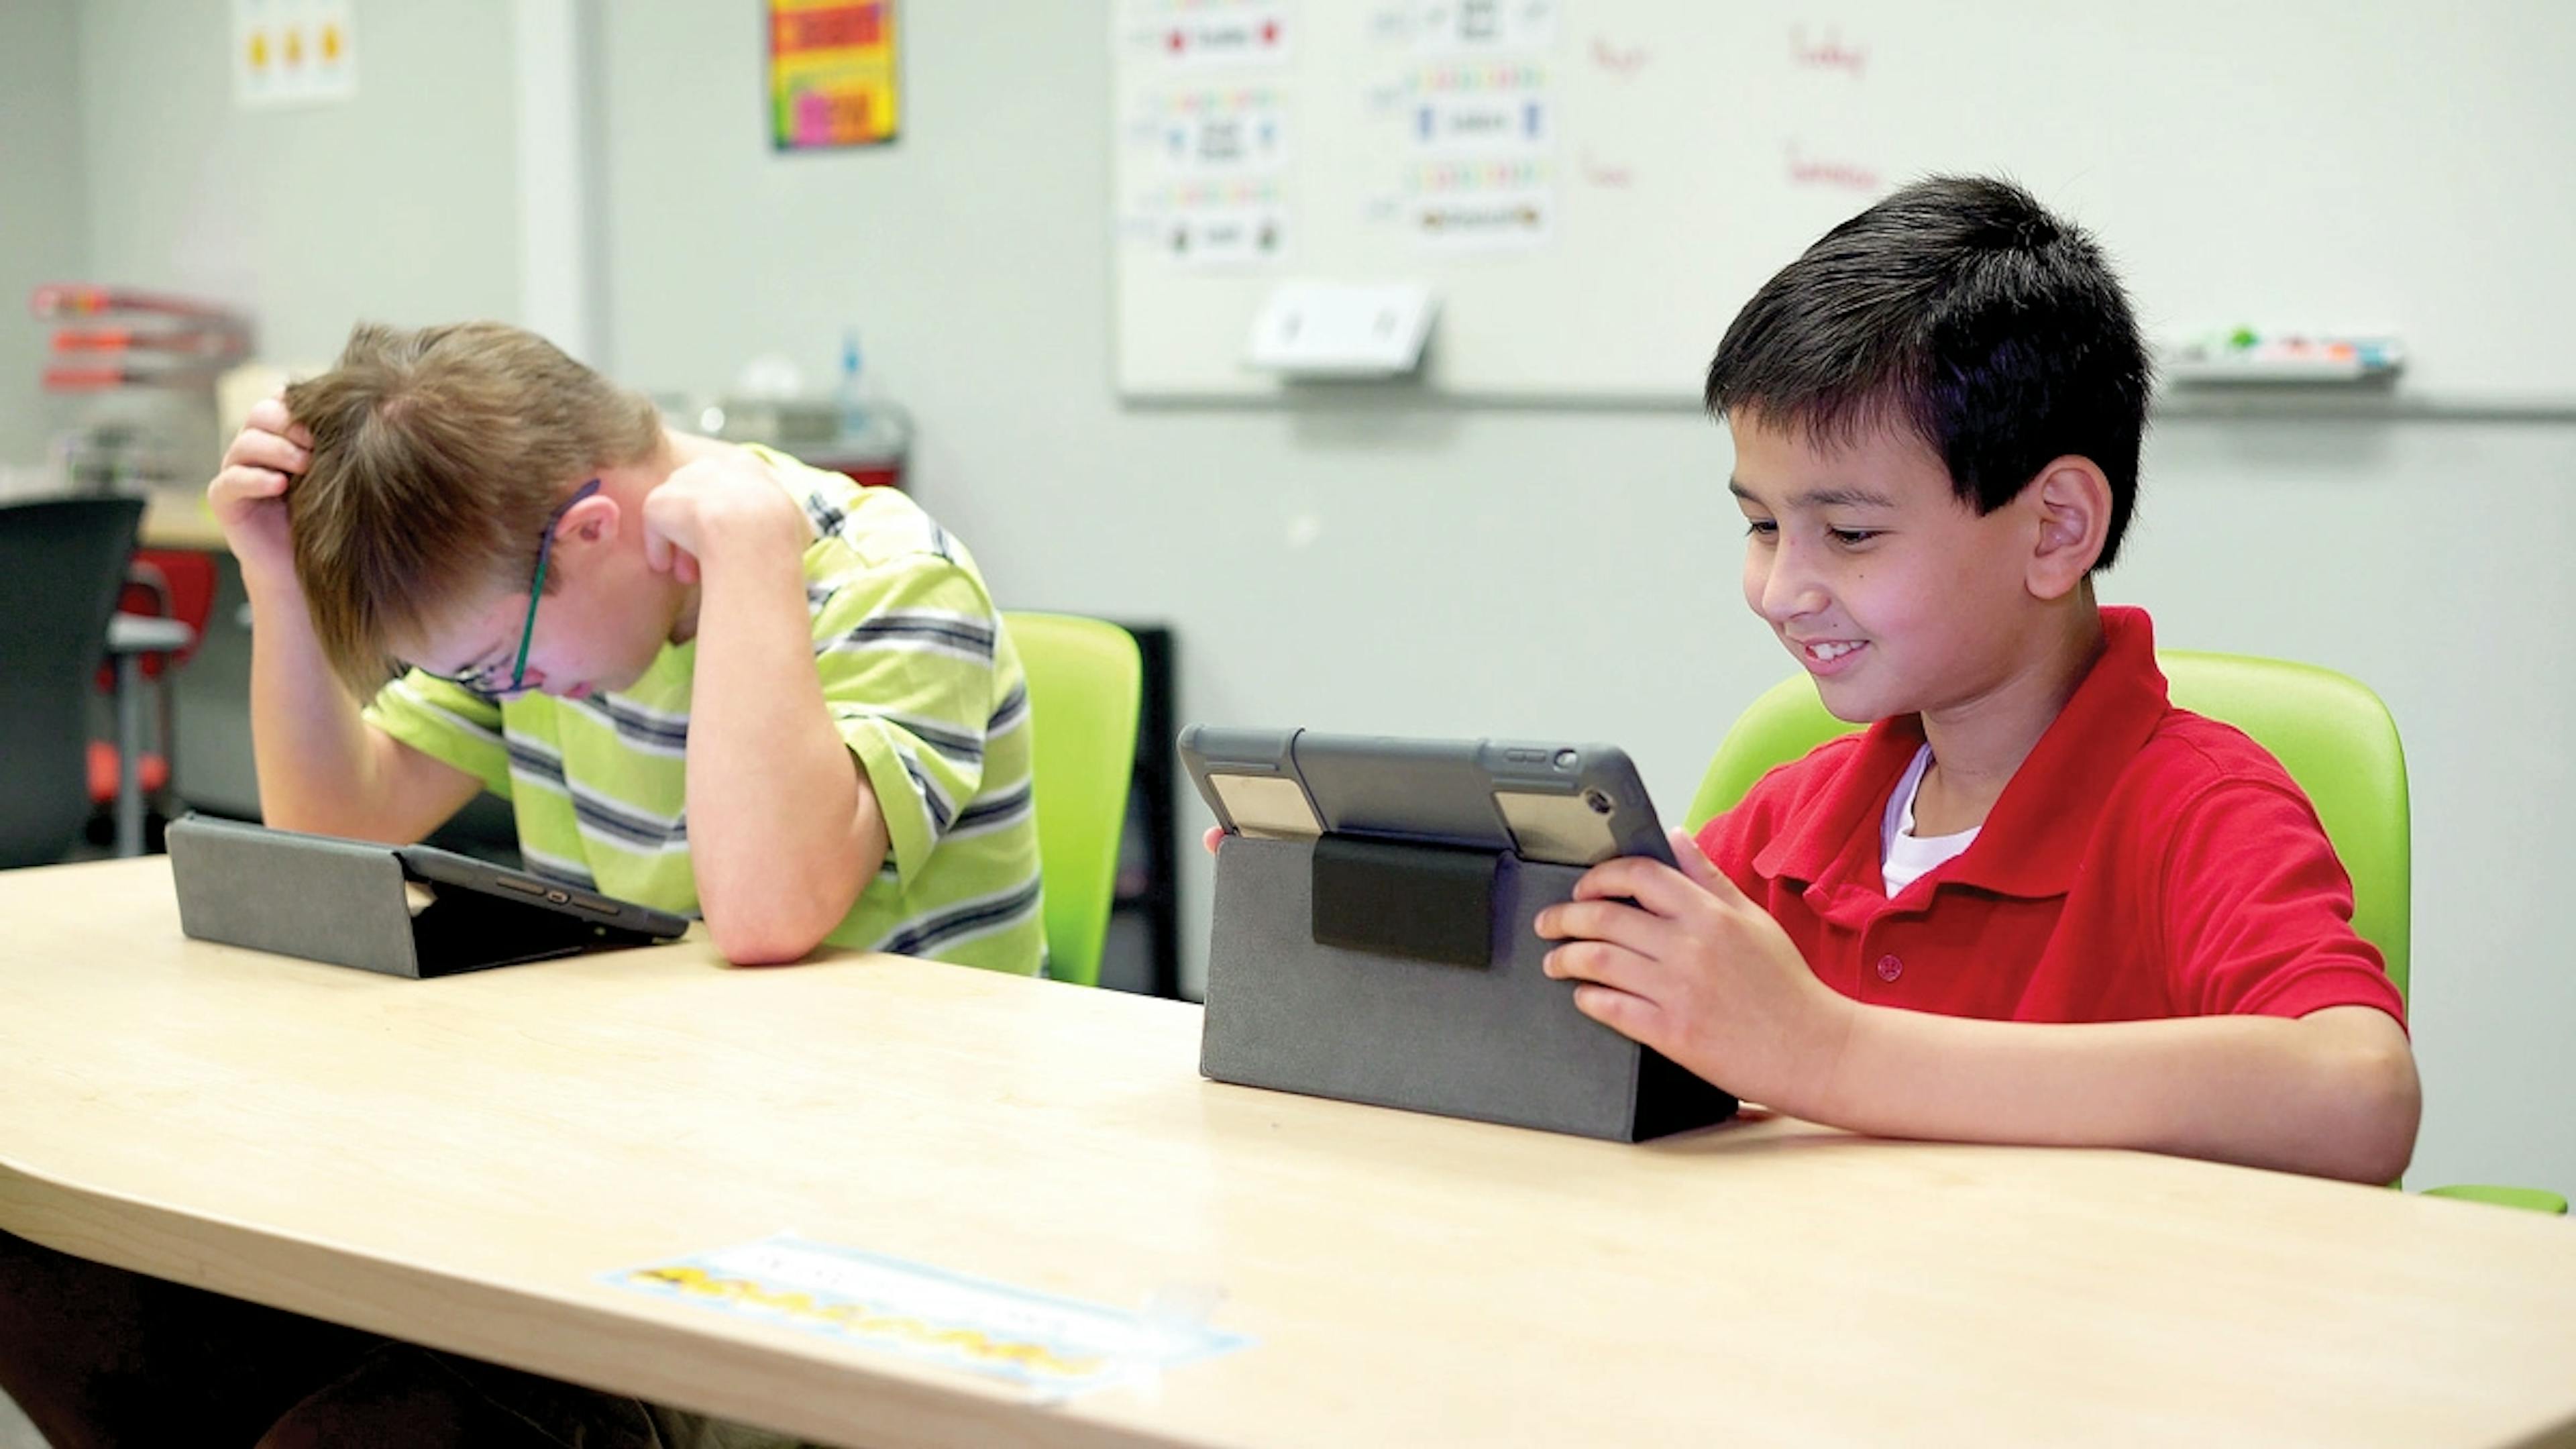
pixel 833 77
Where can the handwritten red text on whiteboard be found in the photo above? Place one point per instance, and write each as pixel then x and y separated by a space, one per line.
pixel 1826 52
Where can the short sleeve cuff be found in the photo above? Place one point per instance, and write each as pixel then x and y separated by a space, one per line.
pixel 899 799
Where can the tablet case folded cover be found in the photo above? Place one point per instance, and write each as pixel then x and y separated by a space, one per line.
pixel 343 902
pixel 1410 976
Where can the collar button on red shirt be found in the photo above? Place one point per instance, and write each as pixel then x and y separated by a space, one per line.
pixel 1889 968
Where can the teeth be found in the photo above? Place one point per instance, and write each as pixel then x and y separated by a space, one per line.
pixel 1831 651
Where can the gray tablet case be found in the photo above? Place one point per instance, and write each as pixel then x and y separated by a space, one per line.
pixel 344 902
pixel 1406 972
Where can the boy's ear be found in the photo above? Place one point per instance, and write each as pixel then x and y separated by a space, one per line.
pixel 589 524
pixel 2073 502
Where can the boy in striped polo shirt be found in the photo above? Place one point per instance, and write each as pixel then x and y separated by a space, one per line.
pixel 709 677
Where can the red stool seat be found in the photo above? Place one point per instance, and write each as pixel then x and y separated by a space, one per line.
pixel 103 768
pixel 168 583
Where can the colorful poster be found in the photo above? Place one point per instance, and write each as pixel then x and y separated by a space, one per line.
pixel 833 77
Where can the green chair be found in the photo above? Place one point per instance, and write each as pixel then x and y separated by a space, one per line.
pixel 2327 729
pixel 1085 680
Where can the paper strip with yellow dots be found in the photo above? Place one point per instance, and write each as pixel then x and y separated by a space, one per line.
pixel 1056 1346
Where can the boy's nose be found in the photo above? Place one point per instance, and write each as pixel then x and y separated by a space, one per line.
pixel 1789 590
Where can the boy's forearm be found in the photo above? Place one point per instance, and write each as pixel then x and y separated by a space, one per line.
pixel 783 832
pixel 315 756
pixel 2333 1094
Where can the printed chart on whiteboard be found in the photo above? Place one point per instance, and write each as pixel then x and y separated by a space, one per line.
pixel 1468 122
pixel 1206 131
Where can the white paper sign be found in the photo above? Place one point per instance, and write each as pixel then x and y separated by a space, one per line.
pixel 1054 1345
pixel 292 52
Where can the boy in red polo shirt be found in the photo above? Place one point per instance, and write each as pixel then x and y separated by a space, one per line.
pixel 2034 902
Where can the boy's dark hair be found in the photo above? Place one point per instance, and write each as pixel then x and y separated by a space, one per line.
pixel 1959 309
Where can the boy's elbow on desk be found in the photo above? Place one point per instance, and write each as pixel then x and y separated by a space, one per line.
pixel 748 938
pixel 2376 1098
pixel 2387 1083
pixel 774 925
pixel 775 911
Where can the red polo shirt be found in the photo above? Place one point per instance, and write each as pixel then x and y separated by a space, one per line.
pixel 2144 862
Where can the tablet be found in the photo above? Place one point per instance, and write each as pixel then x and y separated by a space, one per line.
pixel 431 866
pixel 405 910
pixel 1551 802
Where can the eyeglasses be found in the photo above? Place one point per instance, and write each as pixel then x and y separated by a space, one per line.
pixel 486 681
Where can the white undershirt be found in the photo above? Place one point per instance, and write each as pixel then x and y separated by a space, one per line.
pixel 1903 856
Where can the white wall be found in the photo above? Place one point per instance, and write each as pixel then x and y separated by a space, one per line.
pixel 43 189
pixel 400 205
pixel 1371 563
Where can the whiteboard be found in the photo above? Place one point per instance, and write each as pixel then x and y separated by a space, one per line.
pixel 1591 188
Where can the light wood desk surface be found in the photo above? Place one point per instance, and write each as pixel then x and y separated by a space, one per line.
pixel 177 518
pixel 459 1161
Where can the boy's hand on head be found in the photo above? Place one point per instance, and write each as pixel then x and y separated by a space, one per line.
pixel 1683 962
pixel 248 494
pixel 729 506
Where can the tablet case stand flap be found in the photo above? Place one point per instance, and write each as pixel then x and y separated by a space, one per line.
pixel 1427 902
pixel 343 902
pixel 1501 1043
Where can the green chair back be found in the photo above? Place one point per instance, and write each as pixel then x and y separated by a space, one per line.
pixel 1085 681
pixel 2327 729
pixel 1783 724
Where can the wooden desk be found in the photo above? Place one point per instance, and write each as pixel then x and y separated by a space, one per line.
pixel 177 518
pixel 459 1161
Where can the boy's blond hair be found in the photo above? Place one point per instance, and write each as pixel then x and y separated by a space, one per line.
pixel 438 456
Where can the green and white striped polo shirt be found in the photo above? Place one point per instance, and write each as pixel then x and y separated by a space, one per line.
pixel 921 680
